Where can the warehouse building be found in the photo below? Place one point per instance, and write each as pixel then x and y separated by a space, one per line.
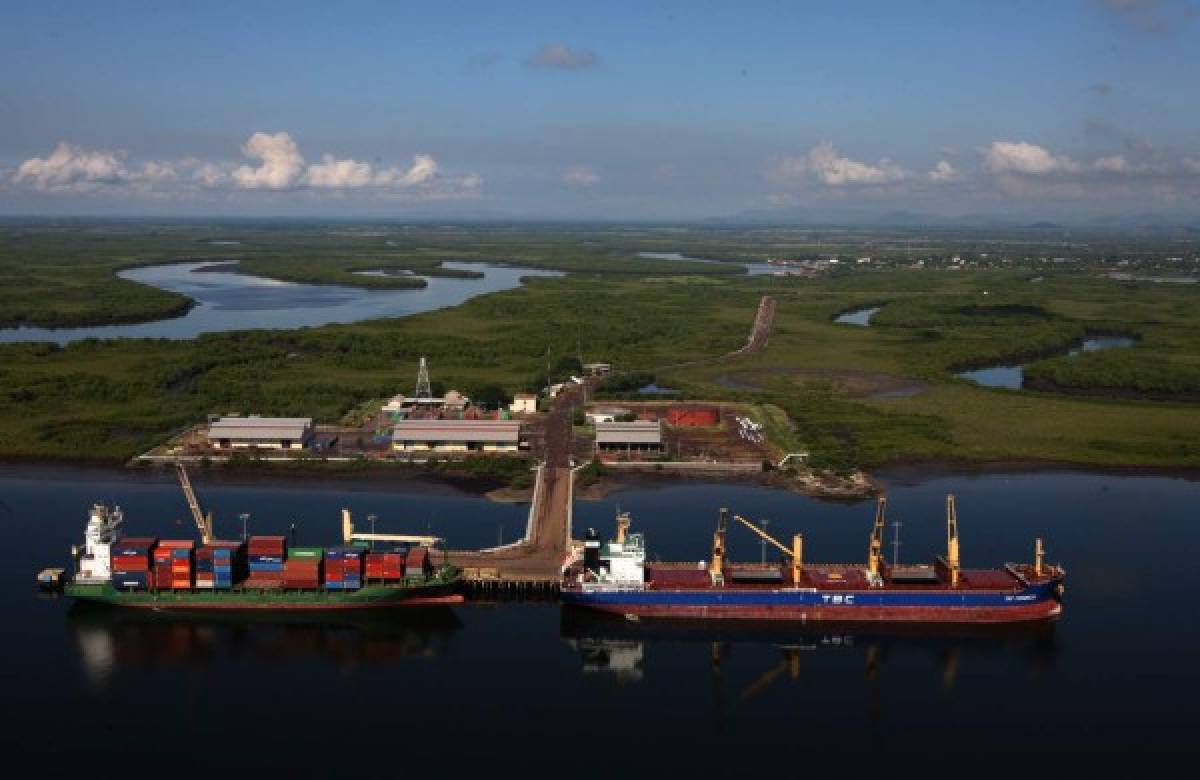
pixel 267 433
pixel 456 436
pixel 629 437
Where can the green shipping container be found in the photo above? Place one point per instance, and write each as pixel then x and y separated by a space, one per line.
pixel 306 552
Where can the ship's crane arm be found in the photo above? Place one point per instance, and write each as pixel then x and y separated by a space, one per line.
pixel 795 552
pixel 350 535
pixel 786 550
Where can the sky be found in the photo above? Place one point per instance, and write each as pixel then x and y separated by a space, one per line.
pixel 666 111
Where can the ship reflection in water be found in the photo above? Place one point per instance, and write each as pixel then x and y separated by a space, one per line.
pixel 114 640
pixel 616 645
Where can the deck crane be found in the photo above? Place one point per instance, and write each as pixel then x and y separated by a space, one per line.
pixel 795 552
pixel 952 540
pixel 875 551
pixel 350 535
pixel 204 523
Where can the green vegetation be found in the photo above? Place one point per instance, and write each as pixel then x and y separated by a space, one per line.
pixel 853 396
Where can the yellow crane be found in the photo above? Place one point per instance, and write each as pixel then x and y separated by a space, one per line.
pixel 204 523
pixel 350 535
pixel 952 562
pixel 875 551
pixel 716 566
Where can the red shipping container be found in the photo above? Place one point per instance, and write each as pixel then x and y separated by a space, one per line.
pixel 179 544
pixel 129 563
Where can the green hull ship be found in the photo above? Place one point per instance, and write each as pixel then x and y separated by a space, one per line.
pixel 439 590
pixel 94 581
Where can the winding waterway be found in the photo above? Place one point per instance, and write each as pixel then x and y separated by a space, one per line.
pixel 753 269
pixel 520 688
pixel 226 301
pixel 1012 376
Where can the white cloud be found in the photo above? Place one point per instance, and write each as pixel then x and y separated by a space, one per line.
pixel 562 57
pixel 1025 158
pixel 423 171
pixel 943 172
pixel 72 169
pixel 824 163
pixel 281 164
pixel 580 176
pixel 338 174
pixel 1191 164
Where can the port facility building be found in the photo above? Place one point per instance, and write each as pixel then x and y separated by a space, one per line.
pixel 456 436
pixel 268 433
pixel 629 437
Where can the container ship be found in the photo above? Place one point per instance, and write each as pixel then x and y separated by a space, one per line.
pixel 615 578
pixel 261 573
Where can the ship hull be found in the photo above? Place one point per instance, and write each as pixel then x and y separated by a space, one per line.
pixel 1031 604
pixel 242 600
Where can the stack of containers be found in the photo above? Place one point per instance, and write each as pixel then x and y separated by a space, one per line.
pixel 419 565
pixel 266 555
pixel 343 568
pixel 173 564
pixel 302 569
pixel 131 563
pixel 385 566
pixel 220 564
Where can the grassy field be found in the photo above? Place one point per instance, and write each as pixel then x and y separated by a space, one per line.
pixel 854 396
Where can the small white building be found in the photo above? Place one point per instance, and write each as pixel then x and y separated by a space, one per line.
pixel 414 436
pixel 524 403
pixel 268 433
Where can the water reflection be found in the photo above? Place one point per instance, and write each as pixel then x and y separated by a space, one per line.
pixel 617 646
pixel 114 640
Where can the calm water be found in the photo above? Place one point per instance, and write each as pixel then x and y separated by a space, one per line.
pixel 521 687
pixel 860 317
pixel 1013 376
pixel 231 301
pixel 753 269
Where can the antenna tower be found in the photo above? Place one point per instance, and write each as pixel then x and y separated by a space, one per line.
pixel 423 389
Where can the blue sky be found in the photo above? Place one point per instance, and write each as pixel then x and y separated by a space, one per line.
pixel 675 111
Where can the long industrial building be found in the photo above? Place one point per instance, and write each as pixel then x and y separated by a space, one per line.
pixel 456 436
pixel 268 433
pixel 629 437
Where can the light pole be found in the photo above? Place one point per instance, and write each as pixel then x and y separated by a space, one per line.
pixel 245 517
pixel 763 542
pixel 371 520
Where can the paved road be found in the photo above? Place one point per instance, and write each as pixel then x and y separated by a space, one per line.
pixel 541 556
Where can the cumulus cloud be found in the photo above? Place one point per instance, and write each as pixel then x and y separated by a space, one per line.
pixel 280 164
pixel 423 170
pixel 580 176
pixel 562 57
pixel 280 167
pixel 71 169
pixel 1025 158
pixel 825 164
pixel 943 172
pixel 335 174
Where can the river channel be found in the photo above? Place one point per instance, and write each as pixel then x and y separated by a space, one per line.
pixel 231 301
pixel 523 687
